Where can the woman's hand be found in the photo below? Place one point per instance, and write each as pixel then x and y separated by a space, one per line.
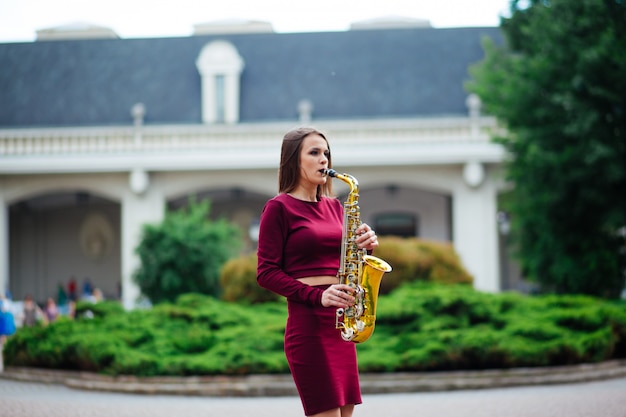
pixel 366 238
pixel 338 295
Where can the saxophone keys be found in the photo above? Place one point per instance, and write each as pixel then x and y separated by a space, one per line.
pixel 360 325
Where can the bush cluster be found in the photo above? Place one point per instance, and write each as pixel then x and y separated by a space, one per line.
pixel 432 327
pixel 420 326
pixel 196 335
pixel 184 253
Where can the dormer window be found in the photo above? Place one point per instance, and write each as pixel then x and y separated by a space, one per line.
pixel 220 67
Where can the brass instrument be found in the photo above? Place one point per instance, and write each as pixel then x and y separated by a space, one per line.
pixel 360 271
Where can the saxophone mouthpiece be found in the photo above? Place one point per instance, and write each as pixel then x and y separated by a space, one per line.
pixel 329 172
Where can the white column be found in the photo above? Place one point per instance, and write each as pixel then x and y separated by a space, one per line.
pixel 137 210
pixel 475 231
pixel 4 245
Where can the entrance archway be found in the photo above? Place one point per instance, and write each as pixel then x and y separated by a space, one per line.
pixel 54 237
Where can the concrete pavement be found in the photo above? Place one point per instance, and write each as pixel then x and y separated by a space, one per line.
pixel 282 385
pixel 593 390
pixel 587 399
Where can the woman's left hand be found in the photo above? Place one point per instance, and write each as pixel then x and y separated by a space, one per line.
pixel 366 237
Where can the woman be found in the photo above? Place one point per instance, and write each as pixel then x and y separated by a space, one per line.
pixel 299 254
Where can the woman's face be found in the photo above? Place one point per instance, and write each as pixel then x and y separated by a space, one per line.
pixel 314 155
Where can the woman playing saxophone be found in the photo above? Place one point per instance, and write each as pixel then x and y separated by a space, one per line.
pixel 299 251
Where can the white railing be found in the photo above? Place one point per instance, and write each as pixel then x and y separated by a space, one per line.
pixel 147 139
pixel 242 146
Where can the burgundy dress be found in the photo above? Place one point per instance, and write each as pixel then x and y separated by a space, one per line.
pixel 300 239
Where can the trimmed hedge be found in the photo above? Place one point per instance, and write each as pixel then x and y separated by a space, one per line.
pixel 420 326
pixel 429 327
pixel 197 335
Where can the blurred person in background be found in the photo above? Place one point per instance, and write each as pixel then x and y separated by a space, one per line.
pixel 71 289
pixel 31 313
pixel 51 310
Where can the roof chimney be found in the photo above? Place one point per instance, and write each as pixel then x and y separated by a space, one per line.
pixel 391 22
pixel 74 31
pixel 232 26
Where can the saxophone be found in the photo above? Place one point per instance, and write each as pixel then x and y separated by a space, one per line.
pixel 360 271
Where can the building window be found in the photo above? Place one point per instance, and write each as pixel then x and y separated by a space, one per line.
pixel 396 224
pixel 220 67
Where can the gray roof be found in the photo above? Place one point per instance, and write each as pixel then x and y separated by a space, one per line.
pixel 346 75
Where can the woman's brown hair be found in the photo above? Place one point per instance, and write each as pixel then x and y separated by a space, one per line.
pixel 289 171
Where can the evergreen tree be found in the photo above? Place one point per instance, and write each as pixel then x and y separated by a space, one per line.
pixel 185 253
pixel 558 86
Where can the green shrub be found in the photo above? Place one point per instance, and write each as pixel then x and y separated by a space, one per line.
pixel 87 309
pixel 420 326
pixel 184 254
pixel 435 327
pixel 96 352
pixel 196 335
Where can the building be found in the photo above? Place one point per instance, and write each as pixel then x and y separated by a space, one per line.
pixel 99 135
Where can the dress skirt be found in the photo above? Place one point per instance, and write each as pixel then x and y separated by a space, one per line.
pixel 323 365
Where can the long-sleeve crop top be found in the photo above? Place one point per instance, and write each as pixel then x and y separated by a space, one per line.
pixel 298 239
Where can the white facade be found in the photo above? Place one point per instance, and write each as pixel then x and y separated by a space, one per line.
pixel 445 170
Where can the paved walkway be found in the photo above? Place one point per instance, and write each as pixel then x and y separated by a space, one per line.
pixel 592 390
pixel 590 399
pixel 282 385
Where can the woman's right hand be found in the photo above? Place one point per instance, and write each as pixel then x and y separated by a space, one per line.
pixel 338 295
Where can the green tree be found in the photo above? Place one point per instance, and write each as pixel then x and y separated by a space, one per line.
pixel 185 253
pixel 558 86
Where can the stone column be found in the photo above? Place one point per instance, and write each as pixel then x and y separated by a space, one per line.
pixel 140 205
pixel 475 234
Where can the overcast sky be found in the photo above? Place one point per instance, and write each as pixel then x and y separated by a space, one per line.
pixel 20 19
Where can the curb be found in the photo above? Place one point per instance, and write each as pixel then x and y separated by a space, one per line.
pixel 282 385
